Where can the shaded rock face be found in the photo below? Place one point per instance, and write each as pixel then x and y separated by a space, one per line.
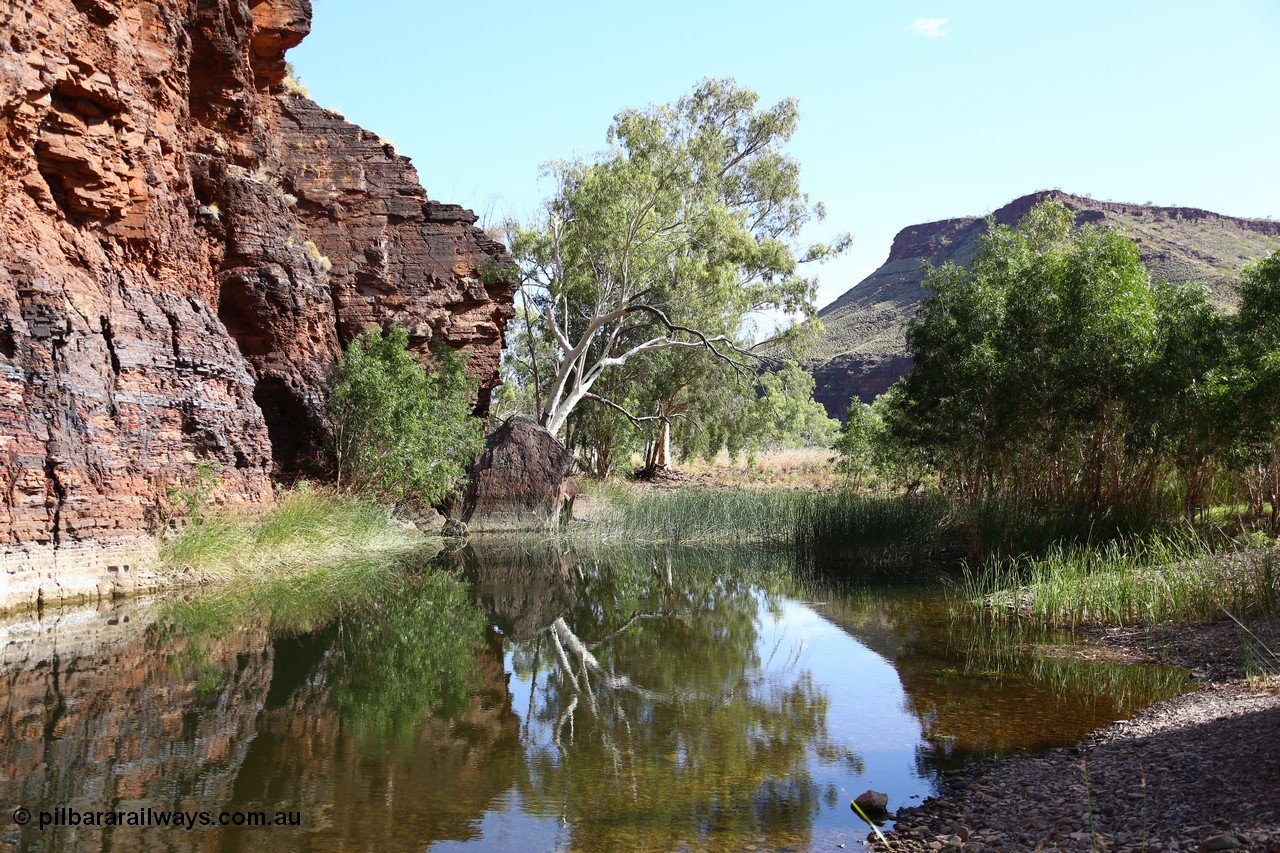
pixel 184 247
pixel 863 348
pixel 397 256
pixel 838 381
pixel 107 710
pixel 521 480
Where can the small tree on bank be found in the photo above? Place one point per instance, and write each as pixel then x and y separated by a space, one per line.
pixel 402 434
pixel 1256 406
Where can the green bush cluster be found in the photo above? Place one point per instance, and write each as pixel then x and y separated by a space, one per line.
pixel 402 434
pixel 1055 371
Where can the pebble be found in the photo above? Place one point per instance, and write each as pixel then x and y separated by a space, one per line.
pixel 1209 760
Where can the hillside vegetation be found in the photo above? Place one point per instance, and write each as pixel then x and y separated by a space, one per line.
pixel 863 346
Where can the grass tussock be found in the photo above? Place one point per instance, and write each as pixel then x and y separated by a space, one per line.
pixel 788 468
pixel 307 527
pixel 814 528
pixel 1126 582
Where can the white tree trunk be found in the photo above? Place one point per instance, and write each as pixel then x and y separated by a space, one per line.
pixel 662 458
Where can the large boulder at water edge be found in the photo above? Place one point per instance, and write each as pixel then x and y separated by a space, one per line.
pixel 522 480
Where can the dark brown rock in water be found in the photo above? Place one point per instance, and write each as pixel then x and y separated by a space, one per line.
pixel 521 480
pixel 523 590
pixel 186 247
pixel 874 804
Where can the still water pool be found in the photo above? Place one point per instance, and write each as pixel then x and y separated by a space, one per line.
pixel 532 697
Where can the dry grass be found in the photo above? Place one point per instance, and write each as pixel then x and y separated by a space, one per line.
pixel 794 468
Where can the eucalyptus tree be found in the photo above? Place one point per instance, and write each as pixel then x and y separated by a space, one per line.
pixel 667 242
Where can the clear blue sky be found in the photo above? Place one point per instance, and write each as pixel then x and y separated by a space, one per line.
pixel 910 112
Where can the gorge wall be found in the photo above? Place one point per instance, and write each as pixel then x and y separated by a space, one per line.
pixel 184 247
pixel 863 349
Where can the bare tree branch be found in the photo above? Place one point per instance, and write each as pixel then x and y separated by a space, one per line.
pixel 635 419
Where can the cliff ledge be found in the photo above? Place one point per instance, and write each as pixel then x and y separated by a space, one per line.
pixel 185 246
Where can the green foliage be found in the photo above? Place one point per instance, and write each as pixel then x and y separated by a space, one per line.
pixel 870 320
pixel 784 413
pixel 1130 581
pixel 682 699
pixel 405 634
pixel 407 655
pixel 869 448
pixel 774 409
pixel 643 273
pixel 857 440
pixel 189 498
pixel 311 527
pixel 1055 371
pixel 1254 380
pixel 401 434
pixel 873 535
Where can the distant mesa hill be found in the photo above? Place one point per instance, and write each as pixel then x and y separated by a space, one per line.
pixel 863 350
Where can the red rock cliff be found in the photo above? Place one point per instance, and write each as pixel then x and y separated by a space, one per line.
pixel 183 248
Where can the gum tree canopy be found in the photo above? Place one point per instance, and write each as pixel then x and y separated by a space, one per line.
pixel 670 240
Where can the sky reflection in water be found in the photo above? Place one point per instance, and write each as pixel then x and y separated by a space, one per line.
pixel 631 700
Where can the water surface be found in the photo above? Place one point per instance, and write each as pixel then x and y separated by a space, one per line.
pixel 538 698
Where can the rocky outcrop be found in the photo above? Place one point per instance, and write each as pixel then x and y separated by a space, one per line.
pixel 521 480
pixel 863 347
pixel 185 248
pixel 838 381
pixel 396 256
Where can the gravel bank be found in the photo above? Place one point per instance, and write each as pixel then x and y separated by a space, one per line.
pixel 1198 772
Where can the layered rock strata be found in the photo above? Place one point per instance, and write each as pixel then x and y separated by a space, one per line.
pixel 94 718
pixel 106 709
pixel 184 247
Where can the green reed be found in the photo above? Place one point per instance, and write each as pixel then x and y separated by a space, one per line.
pixel 1129 581
pixel 832 529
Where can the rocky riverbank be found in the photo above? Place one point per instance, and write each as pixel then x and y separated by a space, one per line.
pixel 1197 772
pixel 41 575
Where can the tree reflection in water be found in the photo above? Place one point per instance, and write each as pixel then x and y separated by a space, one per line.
pixel 655 719
pixel 615 699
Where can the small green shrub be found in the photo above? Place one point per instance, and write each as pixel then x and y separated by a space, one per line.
pixel 292 83
pixel 402 435
pixel 188 498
